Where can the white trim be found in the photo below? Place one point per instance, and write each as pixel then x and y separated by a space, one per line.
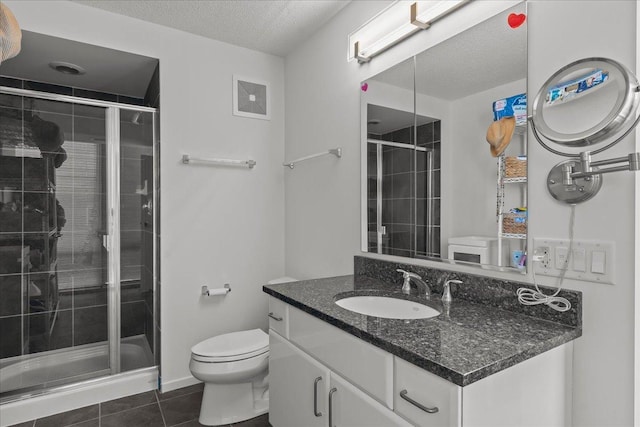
pixel 179 383
pixel 74 99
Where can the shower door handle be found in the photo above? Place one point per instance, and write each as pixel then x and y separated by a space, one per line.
pixel 148 207
pixel 106 242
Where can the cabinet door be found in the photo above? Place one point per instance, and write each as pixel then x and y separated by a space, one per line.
pixel 424 398
pixel 350 407
pixel 279 317
pixel 368 367
pixel 298 386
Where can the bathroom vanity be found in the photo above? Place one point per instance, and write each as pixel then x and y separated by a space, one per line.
pixel 474 364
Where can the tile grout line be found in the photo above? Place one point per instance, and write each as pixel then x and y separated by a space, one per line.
pixel 160 407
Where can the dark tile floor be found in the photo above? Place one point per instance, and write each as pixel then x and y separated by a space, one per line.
pixel 151 409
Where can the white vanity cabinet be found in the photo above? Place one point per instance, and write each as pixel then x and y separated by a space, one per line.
pixel 319 366
pixel 441 399
pixel 298 386
pixel 279 317
pixel 305 393
pixel 351 407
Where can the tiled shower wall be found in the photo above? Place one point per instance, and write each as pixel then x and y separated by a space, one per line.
pixel 428 136
pixel 403 215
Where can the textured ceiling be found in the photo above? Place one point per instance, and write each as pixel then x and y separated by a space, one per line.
pixel 107 70
pixel 482 57
pixel 275 27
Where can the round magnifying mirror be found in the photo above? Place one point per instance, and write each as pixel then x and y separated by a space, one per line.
pixel 586 102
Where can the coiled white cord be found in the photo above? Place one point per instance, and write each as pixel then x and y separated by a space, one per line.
pixel 528 296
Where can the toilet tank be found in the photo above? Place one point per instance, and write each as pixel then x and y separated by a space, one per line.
pixel 284 279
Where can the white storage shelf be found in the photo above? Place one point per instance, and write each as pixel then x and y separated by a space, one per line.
pixel 513 183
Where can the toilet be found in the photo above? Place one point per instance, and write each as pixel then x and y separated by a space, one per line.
pixel 234 368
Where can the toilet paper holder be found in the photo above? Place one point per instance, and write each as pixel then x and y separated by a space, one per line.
pixel 218 291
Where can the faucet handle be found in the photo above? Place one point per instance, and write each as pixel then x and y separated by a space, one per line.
pixel 446 292
pixel 408 274
pixel 406 284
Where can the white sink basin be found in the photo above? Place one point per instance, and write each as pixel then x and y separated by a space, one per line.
pixel 389 308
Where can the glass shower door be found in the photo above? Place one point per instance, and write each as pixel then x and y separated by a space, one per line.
pixel 53 265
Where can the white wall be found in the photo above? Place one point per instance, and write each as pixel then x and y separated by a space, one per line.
pixel 322 98
pixel 323 204
pixel 603 358
pixel 219 225
pixel 469 174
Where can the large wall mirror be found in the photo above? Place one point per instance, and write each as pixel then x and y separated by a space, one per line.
pixel 431 186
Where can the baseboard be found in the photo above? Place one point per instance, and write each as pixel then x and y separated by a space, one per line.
pixel 166 386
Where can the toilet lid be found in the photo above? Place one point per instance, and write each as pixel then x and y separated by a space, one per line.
pixel 233 344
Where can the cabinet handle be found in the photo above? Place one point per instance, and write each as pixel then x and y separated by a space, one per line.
pixel 333 390
pixel 403 394
pixel 274 317
pixel 315 397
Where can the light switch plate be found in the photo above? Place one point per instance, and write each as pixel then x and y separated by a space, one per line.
pixel 579 259
pixel 582 264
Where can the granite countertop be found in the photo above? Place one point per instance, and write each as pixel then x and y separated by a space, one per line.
pixel 464 344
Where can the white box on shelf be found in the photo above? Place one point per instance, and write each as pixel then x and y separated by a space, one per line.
pixel 475 249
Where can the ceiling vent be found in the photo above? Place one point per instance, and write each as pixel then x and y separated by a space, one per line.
pixel 251 98
pixel 67 68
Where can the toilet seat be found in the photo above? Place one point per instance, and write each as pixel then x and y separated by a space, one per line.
pixel 231 347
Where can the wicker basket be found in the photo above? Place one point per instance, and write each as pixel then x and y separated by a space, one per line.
pixel 514 223
pixel 515 167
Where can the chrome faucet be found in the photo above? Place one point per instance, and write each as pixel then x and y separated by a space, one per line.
pixel 421 285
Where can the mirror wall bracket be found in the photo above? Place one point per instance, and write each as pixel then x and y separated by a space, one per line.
pixel 361 59
pixel 578 180
pixel 335 151
pixel 414 18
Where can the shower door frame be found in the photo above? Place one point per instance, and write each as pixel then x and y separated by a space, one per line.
pixel 380 227
pixel 111 241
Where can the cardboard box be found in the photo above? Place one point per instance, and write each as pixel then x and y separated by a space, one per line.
pixel 513 106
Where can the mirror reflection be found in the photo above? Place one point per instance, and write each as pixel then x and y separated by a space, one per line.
pixel 444 143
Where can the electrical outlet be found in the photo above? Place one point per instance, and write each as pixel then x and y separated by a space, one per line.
pixel 542 255
pixel 590 261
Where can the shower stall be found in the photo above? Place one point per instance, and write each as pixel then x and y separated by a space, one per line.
pixel 403 183
pixel 78 241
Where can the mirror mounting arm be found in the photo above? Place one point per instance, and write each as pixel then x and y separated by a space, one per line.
pixel 632 161
pixel 575 181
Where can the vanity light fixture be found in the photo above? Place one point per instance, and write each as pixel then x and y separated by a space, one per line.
pixel 398 21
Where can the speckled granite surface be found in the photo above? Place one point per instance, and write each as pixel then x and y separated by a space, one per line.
pixel 485 290
pixel 467 342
